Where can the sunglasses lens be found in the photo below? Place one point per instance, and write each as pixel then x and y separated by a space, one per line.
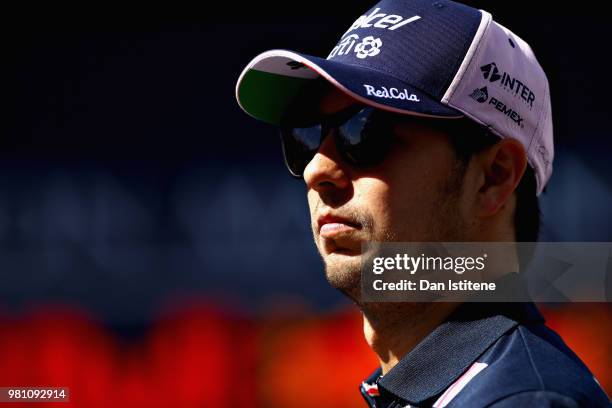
pixel 362 137
pixel 299 147
pixel 364 140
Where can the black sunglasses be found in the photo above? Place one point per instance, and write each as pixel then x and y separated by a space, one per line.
pixel 363 137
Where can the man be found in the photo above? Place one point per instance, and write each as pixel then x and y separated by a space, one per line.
pixel 428 122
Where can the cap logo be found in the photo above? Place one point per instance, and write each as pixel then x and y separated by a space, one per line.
pixel 381 20
pixel 368 47
pixel 480 94
pixel 391 93
pixel 507 82
pixel 490 72
pixel 507 111
pixel 295 65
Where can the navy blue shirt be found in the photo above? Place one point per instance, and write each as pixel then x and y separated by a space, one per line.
pixel 488 355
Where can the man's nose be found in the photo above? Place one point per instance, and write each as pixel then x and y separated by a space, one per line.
pixel 327 171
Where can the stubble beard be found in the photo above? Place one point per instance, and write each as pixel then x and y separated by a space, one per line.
pixel 446 225
pixel 343 272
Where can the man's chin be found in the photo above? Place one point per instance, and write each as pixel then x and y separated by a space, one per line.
pixel 342 260
pixel 343 272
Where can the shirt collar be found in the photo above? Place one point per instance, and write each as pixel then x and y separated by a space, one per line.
pixel 439 359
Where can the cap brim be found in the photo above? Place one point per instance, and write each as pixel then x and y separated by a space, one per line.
pixel 273 81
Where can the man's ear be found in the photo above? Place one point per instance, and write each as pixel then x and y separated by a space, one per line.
pixel 502 166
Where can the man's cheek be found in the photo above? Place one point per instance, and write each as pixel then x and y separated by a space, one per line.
pixel 313 198
pixel 312 206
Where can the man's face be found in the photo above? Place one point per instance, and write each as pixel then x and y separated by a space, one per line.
pixel 414 195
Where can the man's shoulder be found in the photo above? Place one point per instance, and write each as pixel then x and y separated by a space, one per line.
pixel 490 355
pixel 532 363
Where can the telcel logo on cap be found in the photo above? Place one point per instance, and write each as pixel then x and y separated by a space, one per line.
pixel 386 21
pixel 370 43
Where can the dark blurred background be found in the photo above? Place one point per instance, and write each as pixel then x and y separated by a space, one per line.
pixel 138 202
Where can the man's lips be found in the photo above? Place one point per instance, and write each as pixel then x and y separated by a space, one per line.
pixel 332 225
pixel 332 229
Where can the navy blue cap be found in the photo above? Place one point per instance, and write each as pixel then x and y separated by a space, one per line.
pixel 400 54
pixel 438 59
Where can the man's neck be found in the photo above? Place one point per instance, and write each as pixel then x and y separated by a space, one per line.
pixel 393 329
